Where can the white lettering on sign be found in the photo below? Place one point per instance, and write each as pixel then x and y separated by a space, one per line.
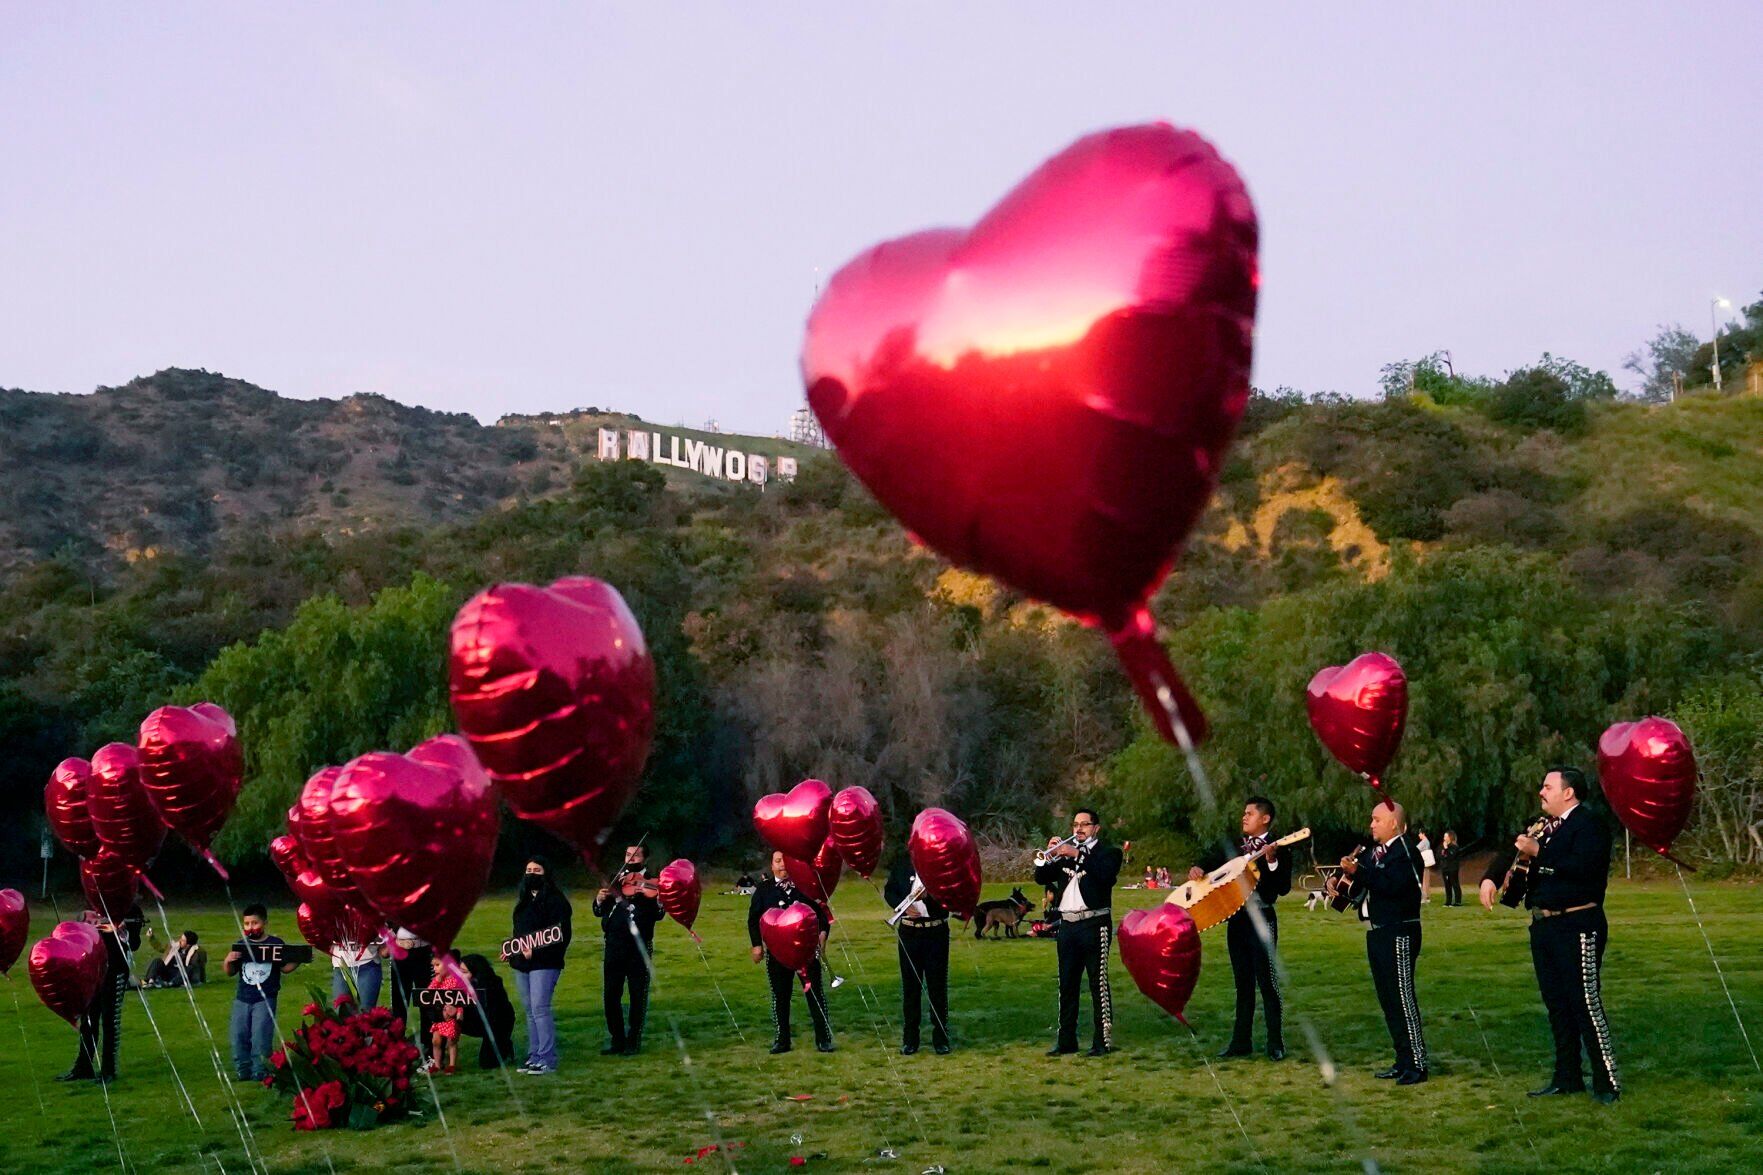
pixel 698 456
pixel 734 465
pixel 756 469
pixel 637 446
pixel 786 468
pixel 712 461
pixel 608 444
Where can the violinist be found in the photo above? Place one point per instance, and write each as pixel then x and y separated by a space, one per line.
pixel 628 910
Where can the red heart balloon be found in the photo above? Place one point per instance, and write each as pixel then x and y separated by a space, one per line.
pixel 555 689
pixel 15 927
pixel 328 926
pixel 308 884
pixel 795 823
pixel 818 876
pixel 1358 710
pixel 1648 772
pixel 855 824
pixel 417 833
pixel 317 929
pixel 679 892
pixel 110 885
pixel 191 766
pixel 791 934
pixel 122 815
pixel 1161 949
pixel 67 967
pixel 64 803
pixel 1047 397
pixel 309 821
pixel 946 860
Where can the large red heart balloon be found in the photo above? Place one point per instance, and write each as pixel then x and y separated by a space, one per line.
pixel 1648 772
pixel 308 884
pixel 123 817
pixel 556 691
pixel 1047 397
pixel 795 823
pixel 67 967
pixel 64 803
pixel 855 825
pixel 191 766
pixel 1358 710
pixel 309 821
pixel 946 860
pixel 15 927
pixel 417 833
pixel 110 885
pixel 791 934
pixel 328 926
pixel 679 891
pixel 1161 949
pixel 818 876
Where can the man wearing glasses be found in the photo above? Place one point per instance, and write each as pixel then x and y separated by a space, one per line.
pixel 1082 870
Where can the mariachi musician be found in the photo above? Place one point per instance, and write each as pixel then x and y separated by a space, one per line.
pixel 778 892
pixel 628 907
pixel 1083 870
pixel 1569 867
pixel 924 959
pixel 1386 884
pixel 1250 963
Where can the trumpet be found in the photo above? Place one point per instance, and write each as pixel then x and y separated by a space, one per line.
pixel 900 910
pixel 1041 857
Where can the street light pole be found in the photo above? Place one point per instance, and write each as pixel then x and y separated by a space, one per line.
pixel 1714 322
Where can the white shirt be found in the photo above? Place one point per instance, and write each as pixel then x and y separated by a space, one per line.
pixel 342 956
pixel 1072 900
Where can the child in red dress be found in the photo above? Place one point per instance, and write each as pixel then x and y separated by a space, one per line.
pixel 445 1034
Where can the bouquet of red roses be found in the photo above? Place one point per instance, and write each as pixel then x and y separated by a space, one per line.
pixel 345 1067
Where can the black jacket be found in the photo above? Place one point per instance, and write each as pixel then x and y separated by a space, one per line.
pixel 1099 866
pixel 549 909
pixel 900 884
pixel 1571 869
pixel 1390 887
pixel 617 912
pixel 1451 858
pixel 123 942
pixel 770 894
pixel 1272 884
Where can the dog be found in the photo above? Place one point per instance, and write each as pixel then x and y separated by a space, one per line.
pixel 1006 913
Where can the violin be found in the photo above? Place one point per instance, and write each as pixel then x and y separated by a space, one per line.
pixel 629 884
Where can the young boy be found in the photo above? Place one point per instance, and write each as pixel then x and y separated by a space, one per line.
pixel 260 981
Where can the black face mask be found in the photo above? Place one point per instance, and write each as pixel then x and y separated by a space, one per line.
pixel 534 884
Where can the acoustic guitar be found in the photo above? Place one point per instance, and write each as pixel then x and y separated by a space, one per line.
pixel 1226 889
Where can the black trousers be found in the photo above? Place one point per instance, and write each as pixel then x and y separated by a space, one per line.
pixel 1083 947
pixel 625 967
pixel 1252 967
pixel 1569 955
pixel 783 982
pixel 1453 888
pixel 411 974
pixel 102 1021
pixel 1393 951
pixel 924 968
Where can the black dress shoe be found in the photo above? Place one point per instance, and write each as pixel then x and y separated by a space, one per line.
pixel 1553 1090
pixel 75 1075
pixel 631 1049
pixel 612 1050
pixel 1060 1050
pixel 823 1046
pixel 1099 1050
pixel 1235 1050
pixel 906 1050
pixel 941 1050
pixel 1276 1052
pixel 1411 1077
pixel 1385 1074
pixel 780 1046
pixel 1606 1097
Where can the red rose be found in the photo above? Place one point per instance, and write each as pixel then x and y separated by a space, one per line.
pixel 797 1161
pixel 309 1010
pixel 279 1058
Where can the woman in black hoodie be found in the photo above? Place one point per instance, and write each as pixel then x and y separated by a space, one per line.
pixel 541 936
pixel 493 1010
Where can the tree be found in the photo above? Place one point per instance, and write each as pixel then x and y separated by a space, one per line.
pixel 1668 358
pixel 1724 721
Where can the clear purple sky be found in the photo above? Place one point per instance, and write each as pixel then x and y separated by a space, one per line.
pixel 519 208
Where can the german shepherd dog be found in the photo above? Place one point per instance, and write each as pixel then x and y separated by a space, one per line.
pixel 1007 913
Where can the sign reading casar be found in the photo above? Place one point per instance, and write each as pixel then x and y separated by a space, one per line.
pixel 697 456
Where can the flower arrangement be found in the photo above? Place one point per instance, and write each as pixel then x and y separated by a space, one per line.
pixel 345 1067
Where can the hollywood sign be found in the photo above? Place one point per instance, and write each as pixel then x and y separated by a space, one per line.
pixel 697 456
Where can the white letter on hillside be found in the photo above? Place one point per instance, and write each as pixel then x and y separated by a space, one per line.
pixel 637 446
pixel 608 444
pixel 735 465
pixel 756 469
pixel 712 461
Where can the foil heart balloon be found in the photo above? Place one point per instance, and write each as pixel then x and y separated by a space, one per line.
pixel 64 803
pixel 1358 710
pixel 791 934
pixel 327 926
pixel 679 891
pixel 795 823
pixel 15 927
pixel 946 860
pixel 1161 949
pixel 556 691
pixel 1648 772
pixel 308 885
pixel 109 884
pixel 1047 396
pixel 191 766
pixel 67 967
pixel 123 817
pixel 855 824
pixel 309 821
pixel 318 930
pixel 818 876
pixel 417 833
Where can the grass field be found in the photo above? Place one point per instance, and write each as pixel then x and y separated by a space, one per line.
pixel 1693 1101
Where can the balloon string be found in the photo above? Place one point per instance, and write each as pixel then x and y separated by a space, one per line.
pixel 1229 1103
pixel 1501 1077
pixel 685 1060
pixel 900 942
pixel 1718 971
pixel 128 958
pixel 30 1067
pixel 122 1158
pixel 699 943
pixel 876 1021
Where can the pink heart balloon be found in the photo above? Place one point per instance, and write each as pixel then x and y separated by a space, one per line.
pixel 946 860
pixel 191 766
pixel 1648 772
pixel 819 876
pixel 15 927
pixel 123 817
pixel 855 824
pixel 791 934
pixel 556 691
pixel 679 892
pixel 1047 397
pixel 67 967
pixel 1358 710
pixel 309 822
pixel 417 833
pixel 1161 949
pixel 109 884
pixel 795 823
pixel 65 804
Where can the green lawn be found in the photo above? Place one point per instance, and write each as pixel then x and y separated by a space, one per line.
pixel 1692 1102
